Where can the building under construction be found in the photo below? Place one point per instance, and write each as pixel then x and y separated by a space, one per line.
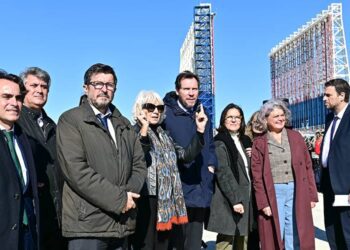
pixel 197 55
pixel 302 63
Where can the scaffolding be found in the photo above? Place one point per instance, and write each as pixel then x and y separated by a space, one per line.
pixel 302 63
pixel 197 55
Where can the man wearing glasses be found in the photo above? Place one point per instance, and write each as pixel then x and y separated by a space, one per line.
pixel 41 132
pixel 19 203
pixel 197 176
pixel 103 166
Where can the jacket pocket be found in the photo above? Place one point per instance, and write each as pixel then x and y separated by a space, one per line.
pixel 86 210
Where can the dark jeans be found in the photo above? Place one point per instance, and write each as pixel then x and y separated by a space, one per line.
pixel 97 244
pixel 189 236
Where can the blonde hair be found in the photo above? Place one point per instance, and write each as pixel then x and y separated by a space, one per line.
pixel 146 96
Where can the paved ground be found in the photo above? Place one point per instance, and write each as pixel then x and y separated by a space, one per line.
pixel 317 212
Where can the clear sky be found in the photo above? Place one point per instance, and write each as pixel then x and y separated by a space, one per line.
pixel 141 40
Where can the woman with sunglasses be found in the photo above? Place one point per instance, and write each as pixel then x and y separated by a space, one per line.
pixel 161 203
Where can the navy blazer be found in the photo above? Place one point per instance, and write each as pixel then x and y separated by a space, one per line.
pixel 12 196
pixel 339 154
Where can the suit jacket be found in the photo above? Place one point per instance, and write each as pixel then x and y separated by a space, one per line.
pixel 338 156
pixel 13 196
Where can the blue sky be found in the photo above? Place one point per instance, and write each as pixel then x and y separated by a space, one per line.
pixel 141 41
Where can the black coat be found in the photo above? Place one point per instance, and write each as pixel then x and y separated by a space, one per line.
pixel 12 194
pixel 228 192
pixel 50 180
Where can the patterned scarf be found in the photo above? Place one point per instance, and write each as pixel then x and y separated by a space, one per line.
pixel 171 203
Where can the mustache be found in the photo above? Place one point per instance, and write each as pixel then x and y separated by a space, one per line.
pixel 103 95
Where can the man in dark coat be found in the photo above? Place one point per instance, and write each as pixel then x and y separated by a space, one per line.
pixel 41 132
pixel 196 176
pixel 335 160
pixel 19 203
pixel 103 167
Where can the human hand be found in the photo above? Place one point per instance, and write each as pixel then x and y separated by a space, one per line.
pixel 249 152
pixel 238 208
pixel 201 119
pixel 130 203
pixel 267 211
pixel 211 169
pixel 313 204
pixel 144 123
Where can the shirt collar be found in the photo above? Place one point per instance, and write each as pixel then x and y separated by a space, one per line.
pixel 341 113
pixel 183 108
pixel 97 112
pixel 11 129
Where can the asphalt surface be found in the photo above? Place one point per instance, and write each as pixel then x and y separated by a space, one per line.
pixel 320 234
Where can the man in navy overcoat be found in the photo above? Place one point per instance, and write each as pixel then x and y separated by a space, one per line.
pixel 335 157
pixel 19 202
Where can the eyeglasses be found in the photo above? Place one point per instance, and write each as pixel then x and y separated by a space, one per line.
pixel 151 107
pixel 231 117
pixel 99 85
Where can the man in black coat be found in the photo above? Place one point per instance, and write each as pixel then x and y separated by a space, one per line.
pixel 41 132
pixel 19 202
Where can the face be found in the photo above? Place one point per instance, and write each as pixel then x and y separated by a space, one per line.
pixel 188 92
pixel 38 90
pixel 153 114
pixel 276 120
pixel 331 98
pixel 10 103
pixel 100 98
pixel 233 120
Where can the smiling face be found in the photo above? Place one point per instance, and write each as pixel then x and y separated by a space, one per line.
pixel 100 98
pixel 233 120
pixel 188 92
pixel 10 103
pixel 153 115
pixel 276 120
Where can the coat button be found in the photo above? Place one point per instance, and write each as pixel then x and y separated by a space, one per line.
pixel 286 172
pixel 285 161
pixel 16 196
pixel 14 227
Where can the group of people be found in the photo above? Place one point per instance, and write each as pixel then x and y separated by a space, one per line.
pixel 97 182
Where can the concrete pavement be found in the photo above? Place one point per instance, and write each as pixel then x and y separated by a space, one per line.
pixel 320 234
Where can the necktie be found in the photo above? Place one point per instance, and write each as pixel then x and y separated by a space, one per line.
pixel 335 119
pixel 103 120
pixel 10 142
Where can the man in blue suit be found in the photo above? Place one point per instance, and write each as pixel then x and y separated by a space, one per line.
pixel 335 157
pixel 19 202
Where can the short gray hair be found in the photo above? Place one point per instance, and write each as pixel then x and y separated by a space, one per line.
pixel 266 110
pixel 37 72
pixel 146 97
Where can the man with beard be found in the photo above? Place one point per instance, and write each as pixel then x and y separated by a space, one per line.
pixel 335 180
pixel 103 167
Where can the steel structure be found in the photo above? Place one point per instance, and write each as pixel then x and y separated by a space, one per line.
pixel 303 62
pixel 197 55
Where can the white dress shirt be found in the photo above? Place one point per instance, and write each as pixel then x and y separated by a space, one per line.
pixel 327 139
pixel 110 125
pixel 19 156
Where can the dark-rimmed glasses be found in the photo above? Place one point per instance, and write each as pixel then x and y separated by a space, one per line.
pixel 99 85
pixel 151 107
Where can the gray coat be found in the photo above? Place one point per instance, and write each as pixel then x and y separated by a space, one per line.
pixel 98 174
pixel 228 193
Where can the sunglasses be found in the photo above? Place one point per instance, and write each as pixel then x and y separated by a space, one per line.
pixel 151 107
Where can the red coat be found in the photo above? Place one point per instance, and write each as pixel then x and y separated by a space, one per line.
pixel 269 230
